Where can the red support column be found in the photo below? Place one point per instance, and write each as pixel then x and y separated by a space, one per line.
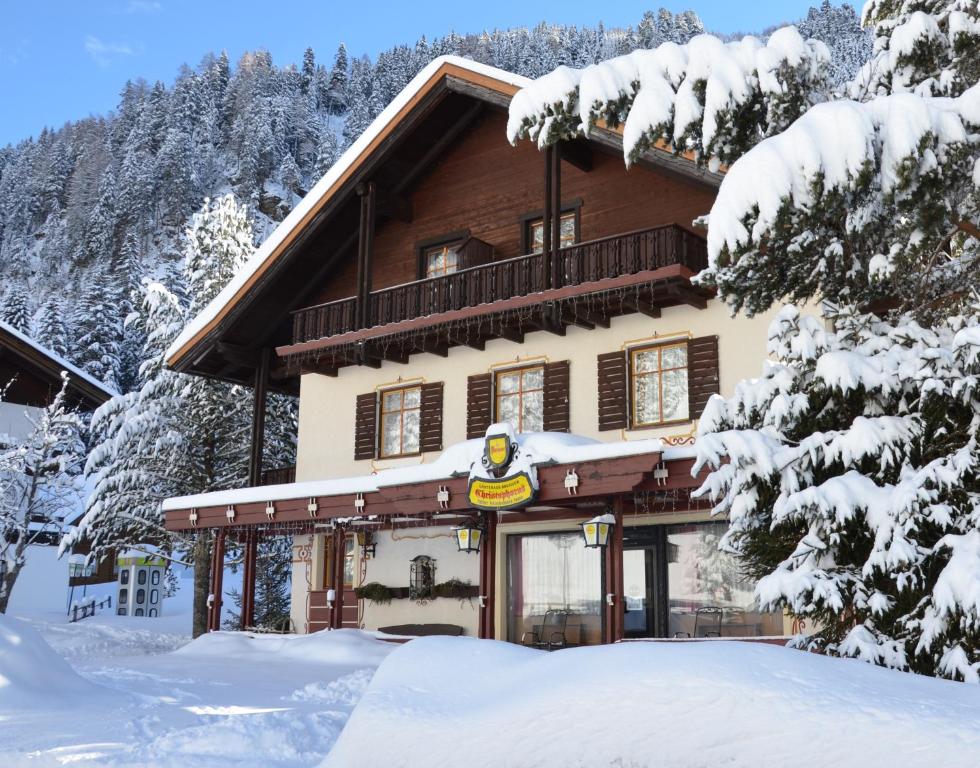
pixel 488 576
pixel 217 578
pixel 615 598
pixel 248 579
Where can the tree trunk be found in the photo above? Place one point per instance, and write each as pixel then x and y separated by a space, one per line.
pixel 202 577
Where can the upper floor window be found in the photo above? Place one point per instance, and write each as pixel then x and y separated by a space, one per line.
pixel 568 232
pixel 441 259
pixel 520 398
pixel 659 384
pixel 400 421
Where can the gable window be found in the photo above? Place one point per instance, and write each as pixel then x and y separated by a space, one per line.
pixel 400 421
pixel 569 234
pixel 441 259
pixel 520 398
pixel 659 384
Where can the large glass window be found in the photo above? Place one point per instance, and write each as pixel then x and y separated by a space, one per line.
pixel 349 560
pixel 659 380
pixel 520 398
pixel 401 414
pixel 554 590
pixel 536 232
pixel 708 595
pixel 441 260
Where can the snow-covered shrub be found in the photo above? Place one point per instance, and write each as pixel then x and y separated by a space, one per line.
pixel 850 473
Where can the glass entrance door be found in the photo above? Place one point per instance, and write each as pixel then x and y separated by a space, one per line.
pixel 640 620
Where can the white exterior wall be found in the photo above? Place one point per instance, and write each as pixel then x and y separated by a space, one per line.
pixel 391 567
pixel 327 414
pixel 16 419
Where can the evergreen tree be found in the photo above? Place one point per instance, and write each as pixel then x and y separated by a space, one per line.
pixel 51 330
pixel 338 93
pixel 14 310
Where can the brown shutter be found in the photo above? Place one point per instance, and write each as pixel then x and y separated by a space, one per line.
pixel 613 386
pixel 479 410
pixel 430 416
pixel 556 416
pixel 366 427
pixel 702 373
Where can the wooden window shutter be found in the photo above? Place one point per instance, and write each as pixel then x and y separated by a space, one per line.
pixel 702 373
pixel 366 426
pixel 479 405
pixel 556 416
pixel 613 387
pixel 430 437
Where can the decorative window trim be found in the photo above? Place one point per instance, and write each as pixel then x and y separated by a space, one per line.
pixel 381 420
pixel 423 246
pixel 631 373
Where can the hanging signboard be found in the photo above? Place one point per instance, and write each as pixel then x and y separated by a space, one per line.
pixel 502 493
pixel 506 492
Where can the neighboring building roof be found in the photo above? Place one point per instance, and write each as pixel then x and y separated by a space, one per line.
pixel 482 77
pixel 41 362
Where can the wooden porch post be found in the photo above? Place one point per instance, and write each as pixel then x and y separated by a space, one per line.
pixel 546 216
pixel 615 617
pixel 337 616
pixel 248 579
pixel 555 223
pixel 488 576
pixel 365 247
pixel 217 578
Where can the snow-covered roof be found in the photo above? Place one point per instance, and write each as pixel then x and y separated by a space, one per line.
pixel 325 188
pixel 57 361
pixel 540 448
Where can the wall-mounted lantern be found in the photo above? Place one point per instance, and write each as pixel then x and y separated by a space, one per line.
pixel 596 531
pixel 365 540
pixel 469 536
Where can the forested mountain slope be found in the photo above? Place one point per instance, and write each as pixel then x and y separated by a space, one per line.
pixel 89 209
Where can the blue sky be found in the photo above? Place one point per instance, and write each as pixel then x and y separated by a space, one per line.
pixel 64 59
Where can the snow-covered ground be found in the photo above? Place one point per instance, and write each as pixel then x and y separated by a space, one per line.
pixel 115 692
pixel 123 693
pixel 458 701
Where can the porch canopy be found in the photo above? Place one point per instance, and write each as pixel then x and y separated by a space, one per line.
pixel 557 476
pixel 601 471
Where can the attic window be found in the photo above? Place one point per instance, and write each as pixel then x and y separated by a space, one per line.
pixel 441 259
pixel 568 232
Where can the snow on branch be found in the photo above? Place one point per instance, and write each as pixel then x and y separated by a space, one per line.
pixel 709 97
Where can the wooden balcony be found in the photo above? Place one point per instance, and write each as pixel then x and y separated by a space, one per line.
pixel 279 476
pixel 582 263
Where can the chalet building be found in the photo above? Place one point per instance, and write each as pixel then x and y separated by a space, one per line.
pixel 492 346
pixel 31 376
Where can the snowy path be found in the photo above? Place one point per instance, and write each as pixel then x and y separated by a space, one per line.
pixel 227 699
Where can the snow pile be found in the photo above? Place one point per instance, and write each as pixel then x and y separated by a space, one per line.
pixel 340 647
pixel 458 701
pixel 687 95
pixel 33 676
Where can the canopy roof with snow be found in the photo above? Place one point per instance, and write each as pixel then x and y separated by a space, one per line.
pixel 35 373
pixel 315 239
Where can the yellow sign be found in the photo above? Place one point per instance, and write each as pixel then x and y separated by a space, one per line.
pixel 505 493
pixel 498 450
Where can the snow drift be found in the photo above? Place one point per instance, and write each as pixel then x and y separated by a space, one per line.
pixel 343 646
pixel 32 675
pixel 458 701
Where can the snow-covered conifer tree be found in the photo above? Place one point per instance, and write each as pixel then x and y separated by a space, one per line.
pixel 15 310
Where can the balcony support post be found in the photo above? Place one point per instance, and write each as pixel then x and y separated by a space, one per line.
pixel 546 217
pixel 365 248
pixel 258 418
pixel 248 579
pixel 555 223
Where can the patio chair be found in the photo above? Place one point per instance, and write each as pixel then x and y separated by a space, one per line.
pixel 550 634
pixel 707 619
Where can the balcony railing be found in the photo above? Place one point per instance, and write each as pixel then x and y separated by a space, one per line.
pixel 278 476
pixel 614 256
